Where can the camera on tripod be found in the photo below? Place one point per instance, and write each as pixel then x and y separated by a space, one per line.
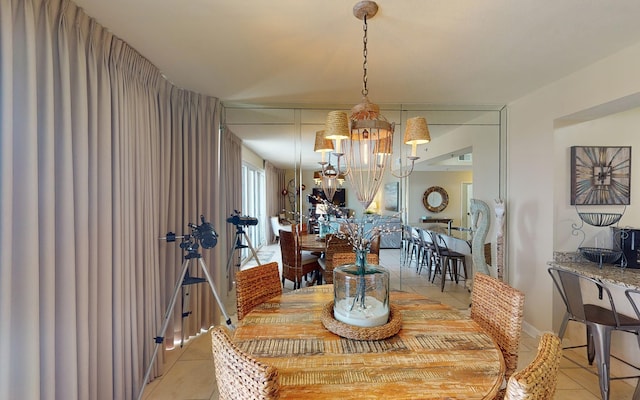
pixel 240 220
pixel 203 234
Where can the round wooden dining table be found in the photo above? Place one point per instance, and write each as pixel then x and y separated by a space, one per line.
pixel 439 352
pixel 312 243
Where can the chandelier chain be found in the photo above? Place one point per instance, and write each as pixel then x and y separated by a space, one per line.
pixel 365 91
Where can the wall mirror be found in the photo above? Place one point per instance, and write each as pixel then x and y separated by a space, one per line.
pixel 284 135
pixel 435 199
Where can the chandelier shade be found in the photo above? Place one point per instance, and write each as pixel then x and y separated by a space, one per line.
pixel 416 132
pixel 322 145
pixel 337 128
pixel 317 177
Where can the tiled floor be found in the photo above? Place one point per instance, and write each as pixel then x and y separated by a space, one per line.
pixel 189 370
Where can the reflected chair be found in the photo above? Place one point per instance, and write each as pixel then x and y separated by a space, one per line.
pixel 256 285
pixel 498 308
pixel 406 244
pixel 350 258
pixel 276 226
pixel 414 247
pixel 334 244
pixel 538 380
pixel 238 375
pixel 295 263
pixel 427 252
pixel 300 229
pixel 445 259
pixel 456 261
pixel 599 315
pixel 375 245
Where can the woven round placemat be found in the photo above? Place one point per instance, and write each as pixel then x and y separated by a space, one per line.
pixel 361 333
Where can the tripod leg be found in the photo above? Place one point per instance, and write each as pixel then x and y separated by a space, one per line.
pixel 215 293
pixel 167 317
pixel 231 250
pixel 253 251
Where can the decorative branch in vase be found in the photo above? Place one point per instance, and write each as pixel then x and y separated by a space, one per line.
pixel 361 290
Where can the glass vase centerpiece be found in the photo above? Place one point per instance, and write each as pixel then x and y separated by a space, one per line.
pixel 361 289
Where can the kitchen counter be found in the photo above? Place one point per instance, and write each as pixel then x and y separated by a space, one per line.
pixel 626 277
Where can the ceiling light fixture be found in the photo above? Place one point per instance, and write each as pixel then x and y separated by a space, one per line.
pixel 367 134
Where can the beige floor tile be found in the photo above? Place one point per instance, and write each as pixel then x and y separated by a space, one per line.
pixel 566 383
pixel 579 394
pixel 186 380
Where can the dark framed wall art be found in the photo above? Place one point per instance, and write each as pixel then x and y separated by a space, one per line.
pixel 600 175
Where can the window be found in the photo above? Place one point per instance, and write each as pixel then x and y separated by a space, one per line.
pixel 254 205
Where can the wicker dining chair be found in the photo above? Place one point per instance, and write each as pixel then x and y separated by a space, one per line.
pixel 256 285
pixel 239 376
pixel 498 308
pixel 335 245
pixel 538 380
pixel 350 258
pixel 295 264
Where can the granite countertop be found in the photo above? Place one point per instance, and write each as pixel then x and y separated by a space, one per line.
pixel 626 277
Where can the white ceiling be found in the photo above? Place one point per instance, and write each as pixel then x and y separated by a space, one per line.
pixel 455 52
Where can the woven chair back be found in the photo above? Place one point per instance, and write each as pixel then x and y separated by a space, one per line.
pixel 289 249
pixel 293 267
pixel 256 285
pixel 538 380
pixel 350 258
pixel 499 309
pixel 335 245
pixel 239 376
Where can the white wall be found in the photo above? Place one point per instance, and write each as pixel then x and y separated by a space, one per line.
pixel 533 162
pixel 252 158
pixel 619 129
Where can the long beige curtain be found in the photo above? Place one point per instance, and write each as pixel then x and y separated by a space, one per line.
pixel 99 157
pixel 231 180
pixel 275 182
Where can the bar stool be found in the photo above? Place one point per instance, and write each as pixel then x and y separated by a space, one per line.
pixel 600 319
pixel 427 252
pixel 445 259
pixel 414 245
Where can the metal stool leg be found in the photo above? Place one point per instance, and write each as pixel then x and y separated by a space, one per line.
pixel 602 343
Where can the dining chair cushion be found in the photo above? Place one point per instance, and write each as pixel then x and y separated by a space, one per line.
pixel 307 257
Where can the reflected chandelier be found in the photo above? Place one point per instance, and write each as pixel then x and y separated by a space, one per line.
pixel 367 135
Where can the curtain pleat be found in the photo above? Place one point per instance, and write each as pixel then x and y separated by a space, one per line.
pixel 230 179
pixel 274 178
pixel 99 157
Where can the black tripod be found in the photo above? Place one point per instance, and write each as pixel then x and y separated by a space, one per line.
pixel 240 232
pixel 191 247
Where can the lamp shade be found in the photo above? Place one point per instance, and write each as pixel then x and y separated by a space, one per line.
pixel 337 126
pixel 384 146
pixel 417 131
pixel 322 143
